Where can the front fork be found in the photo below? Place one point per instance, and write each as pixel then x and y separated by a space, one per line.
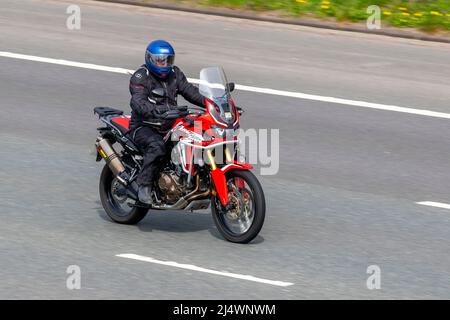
pixel 218 174
pixel 212 161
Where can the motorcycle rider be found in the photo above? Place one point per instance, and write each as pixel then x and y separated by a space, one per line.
pixel 158 72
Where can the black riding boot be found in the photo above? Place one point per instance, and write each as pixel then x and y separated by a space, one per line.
pixel 145 194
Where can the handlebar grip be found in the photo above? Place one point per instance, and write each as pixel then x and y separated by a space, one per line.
pixel 171 114
pixel 180 111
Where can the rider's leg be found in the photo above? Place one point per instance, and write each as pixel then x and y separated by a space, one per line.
pixel 152 144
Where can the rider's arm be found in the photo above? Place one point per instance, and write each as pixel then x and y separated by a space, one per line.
pixel 188 90
pixel 139 94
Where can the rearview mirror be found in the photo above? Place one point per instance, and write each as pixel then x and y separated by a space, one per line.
pixel 159 92
pixel 231 86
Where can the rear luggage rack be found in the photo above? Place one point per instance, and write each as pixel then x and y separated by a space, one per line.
pixel 107 111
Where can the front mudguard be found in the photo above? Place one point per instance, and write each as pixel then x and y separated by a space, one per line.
pixel 220 181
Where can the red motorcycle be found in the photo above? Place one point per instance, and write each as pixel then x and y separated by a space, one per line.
pixel 200 170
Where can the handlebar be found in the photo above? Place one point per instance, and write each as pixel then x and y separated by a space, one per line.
pixel 182 111
pixel 178 112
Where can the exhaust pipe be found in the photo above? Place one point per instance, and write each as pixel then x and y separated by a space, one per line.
pixel 112 158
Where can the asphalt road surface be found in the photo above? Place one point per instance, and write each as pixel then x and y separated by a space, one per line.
pixel 345 197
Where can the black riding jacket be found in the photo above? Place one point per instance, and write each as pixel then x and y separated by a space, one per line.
pixel 144 104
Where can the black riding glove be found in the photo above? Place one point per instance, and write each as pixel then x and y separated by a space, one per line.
pixel 160 109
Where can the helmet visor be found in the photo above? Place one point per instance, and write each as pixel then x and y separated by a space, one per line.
pixel 161 60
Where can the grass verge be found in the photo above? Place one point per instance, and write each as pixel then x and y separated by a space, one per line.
pixel 425 15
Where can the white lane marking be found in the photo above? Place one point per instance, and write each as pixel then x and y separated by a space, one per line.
pixel 299 95
pixel 64 62
pixel 435 204
pixel 200 269
pixel 355 103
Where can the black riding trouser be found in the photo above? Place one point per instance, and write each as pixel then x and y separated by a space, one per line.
pixel 152 144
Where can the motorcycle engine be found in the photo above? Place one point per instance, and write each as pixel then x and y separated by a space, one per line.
pixel 171 186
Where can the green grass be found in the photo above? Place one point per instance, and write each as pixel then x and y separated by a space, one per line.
pixel 425 15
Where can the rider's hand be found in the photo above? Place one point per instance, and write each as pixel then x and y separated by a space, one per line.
pixel 160 109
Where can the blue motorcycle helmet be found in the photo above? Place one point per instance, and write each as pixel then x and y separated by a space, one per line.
pixel 159 58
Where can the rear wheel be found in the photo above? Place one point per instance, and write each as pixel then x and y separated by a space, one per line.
pixel 116 203
pixel 244 217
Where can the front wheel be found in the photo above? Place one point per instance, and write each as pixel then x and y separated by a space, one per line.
pixel 116 203
pixel 243 218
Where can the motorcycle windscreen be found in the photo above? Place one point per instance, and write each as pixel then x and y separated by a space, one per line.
pixel 214 86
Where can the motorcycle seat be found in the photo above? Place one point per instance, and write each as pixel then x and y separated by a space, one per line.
pixel 122 123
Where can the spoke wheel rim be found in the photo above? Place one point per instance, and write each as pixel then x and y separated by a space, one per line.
pixel 121 203
pixel 240 218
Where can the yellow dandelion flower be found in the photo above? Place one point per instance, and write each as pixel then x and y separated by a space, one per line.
pixel 387 13
pixel 436 13
pixel 448 14
pixel 403 8
pixel 325 7
pixel 301 1
pixel 418 14
pixel 405 13
pixel 325 2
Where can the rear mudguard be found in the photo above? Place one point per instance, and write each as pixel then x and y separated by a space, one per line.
pixel 220 182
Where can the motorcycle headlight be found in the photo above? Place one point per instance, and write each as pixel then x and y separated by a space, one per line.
pixel 223 115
